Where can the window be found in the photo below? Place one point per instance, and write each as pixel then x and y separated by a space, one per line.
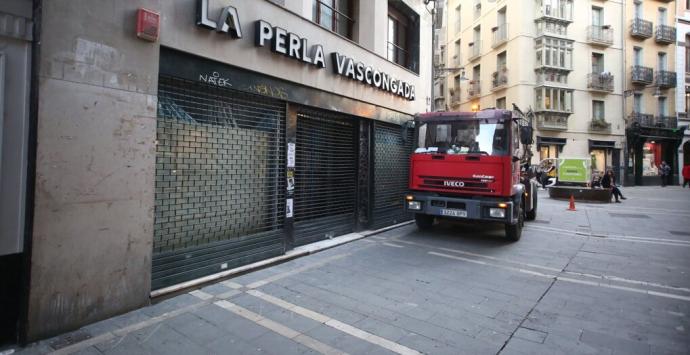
pixel 548 151
pixel 661 61
pixel 598 110
pixel 501 103
pixel 638 9
pixel 477 8
pixel 554 52
pixel 687 53
pixel 335 15
pixel 662 106
pixel 457 51
pixel 554 99
pixel 662 16
pixel 403 35
pixel 557 8
pixel 597 63
pixel 637 56
pixel 637 103
pixel 597 16
pixel 458 23
pixel 501 61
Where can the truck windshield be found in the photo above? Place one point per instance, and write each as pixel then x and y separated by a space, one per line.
pixel 463 137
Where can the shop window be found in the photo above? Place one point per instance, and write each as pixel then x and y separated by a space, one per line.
pixel 599 161
pixel 335 15
pixel 651 158
pixel 548 151
pixel 403 35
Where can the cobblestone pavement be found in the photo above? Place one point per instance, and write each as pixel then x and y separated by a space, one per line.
pixel 605 279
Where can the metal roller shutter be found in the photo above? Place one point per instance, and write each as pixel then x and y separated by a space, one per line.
pixel 220 180
pixel 391 173
pixel 325 174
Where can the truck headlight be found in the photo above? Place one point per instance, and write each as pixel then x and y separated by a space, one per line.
pixel 497 212
pixel 414 205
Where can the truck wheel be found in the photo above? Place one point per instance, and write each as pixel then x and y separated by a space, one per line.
pixel 514 231
pixel 423 221
pixel 532 215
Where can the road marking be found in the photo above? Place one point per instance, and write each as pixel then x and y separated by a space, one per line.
pixel 283 275
pixel 336 324
pixel 201 295
pixel 279 328
pixel 565 279
pixel 647 240
pixel 233 285
pixel 392 245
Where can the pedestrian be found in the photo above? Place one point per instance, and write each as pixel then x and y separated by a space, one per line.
pixel 664 172
pixel 596 180
pixel 686 175
pixel 609 182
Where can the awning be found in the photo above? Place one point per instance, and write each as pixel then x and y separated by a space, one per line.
pixel 550 141
pixel 593 144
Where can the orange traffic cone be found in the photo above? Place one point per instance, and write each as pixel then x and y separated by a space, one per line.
pixel 572 203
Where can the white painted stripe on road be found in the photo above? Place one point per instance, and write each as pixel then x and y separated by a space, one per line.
pixel 392 245
pixel 660 241
pixel 283 275
pixel 567 279
pixel 336 324
pixel 231 284
pixel 201 295
pixel 624 280
pixel 279 328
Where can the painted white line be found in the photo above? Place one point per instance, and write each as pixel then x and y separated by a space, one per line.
pixel 201 295
pixel 279 328
pixel 647 240
pixel 567 279
pixel 283 275
pixel 228 294
pixel 126 330
pixel 336 324
pixel 392 245
pixel 233 285
pixel 630 281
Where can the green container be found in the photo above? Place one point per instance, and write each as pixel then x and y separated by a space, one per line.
pixel 575 170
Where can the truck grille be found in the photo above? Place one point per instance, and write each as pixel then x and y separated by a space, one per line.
pixel 456 184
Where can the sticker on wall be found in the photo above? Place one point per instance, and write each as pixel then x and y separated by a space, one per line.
pixel 288 208
pixel 290 180
pixel 291 155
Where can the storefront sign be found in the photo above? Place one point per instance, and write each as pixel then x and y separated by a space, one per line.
pixel 574 170
pixel 297 47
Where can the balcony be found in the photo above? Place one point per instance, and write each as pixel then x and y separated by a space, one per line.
pixel 499 79
pixel 602 82
pixel 665 79
pixel 600 35
pixel 642 75
pixel 642 119
pixel 599 125
pixel 457 61
pixel 475 89
pixel 666 122
pixel 475 49
pixel 499 35
pixel 665 34
pixel 641 28
pixel 455 97
pixel 552 122
pixel 563 13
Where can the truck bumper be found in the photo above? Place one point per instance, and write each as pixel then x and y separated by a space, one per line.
pixel 458 208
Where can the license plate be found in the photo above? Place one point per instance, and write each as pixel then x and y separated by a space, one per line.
pixel 453 213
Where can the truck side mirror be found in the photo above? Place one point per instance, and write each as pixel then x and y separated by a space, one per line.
pixel 526 135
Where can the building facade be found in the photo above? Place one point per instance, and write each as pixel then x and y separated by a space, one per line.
pixel 562 58
pixel 683 83
pixel 181 139
pixel 650 105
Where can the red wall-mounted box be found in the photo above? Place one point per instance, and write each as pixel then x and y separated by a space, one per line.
pixel 148 24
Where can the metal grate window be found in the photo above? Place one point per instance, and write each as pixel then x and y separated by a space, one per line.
pixel 220 180
pixel 326 175
pixel 391 173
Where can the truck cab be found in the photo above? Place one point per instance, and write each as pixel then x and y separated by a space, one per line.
pixel 467 165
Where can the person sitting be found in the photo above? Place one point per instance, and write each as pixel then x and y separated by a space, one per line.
pixel 596 180
pixel 609 182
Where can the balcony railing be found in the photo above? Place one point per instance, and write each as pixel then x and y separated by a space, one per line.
pixel 475 89
pixel 599 125
pixel 642 75
pixel 665 34
pixel 665 79
pixel 600 81
pixel 666 122
pixel 600 35
pixel 643 119
pixel 499 79
pixel 562 13
pixel 475 50
pixel 455 97
pixel 457 60
pixel 641 28
pixel 500 35
pixel 552 122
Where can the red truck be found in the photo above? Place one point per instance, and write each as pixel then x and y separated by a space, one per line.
pixel 473 166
